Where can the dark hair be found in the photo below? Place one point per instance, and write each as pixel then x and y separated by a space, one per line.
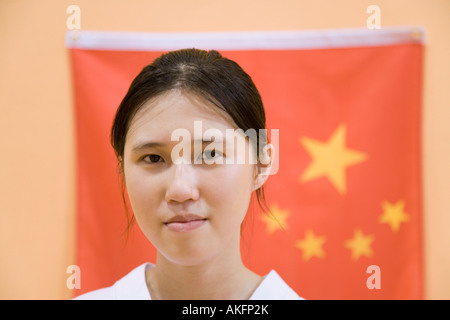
pixel 206 73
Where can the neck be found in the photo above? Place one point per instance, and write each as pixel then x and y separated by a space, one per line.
pixel 221 277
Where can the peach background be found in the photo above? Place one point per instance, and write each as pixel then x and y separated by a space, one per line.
pixel 37 180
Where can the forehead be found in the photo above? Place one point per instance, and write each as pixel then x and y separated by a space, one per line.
pixel 176 109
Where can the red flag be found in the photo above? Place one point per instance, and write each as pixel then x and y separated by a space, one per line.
pixel 345 203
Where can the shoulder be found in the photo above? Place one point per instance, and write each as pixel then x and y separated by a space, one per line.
pixel 273 287
pixel 130 287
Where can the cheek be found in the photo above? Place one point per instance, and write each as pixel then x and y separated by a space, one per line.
pixel 144 195
pixel 229 191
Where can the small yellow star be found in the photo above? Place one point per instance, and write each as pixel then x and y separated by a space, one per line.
pixel 330 159
pixel 360 245
pixel 276 219
pixel 311 246
pixel 394 214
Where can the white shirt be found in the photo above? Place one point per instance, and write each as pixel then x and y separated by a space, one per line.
pixel 133 287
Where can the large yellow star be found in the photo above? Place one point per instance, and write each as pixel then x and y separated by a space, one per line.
pixel 394 214
pixel 330 158
pixel 276 219
pixel 311 246
pixel 360 245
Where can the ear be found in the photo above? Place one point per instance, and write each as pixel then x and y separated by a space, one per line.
pixel 263 167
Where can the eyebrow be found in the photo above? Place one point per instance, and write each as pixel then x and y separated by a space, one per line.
pixel 147 145
pixel 151 144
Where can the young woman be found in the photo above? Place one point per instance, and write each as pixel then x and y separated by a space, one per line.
pixel 188 190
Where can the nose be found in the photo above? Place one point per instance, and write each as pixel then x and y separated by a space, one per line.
pixel 182 184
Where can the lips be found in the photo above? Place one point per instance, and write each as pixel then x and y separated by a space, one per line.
pixel 185 222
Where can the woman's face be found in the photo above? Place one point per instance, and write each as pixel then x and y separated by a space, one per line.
pixel 190 212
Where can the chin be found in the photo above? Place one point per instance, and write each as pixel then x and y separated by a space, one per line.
pixel 189 259
pixel 190 254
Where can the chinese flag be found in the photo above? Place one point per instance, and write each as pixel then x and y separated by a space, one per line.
pixel 345 204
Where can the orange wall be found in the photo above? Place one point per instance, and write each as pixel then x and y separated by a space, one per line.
pixel 37 125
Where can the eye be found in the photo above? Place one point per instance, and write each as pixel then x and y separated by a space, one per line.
pixel 152 158
pixel 211 154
